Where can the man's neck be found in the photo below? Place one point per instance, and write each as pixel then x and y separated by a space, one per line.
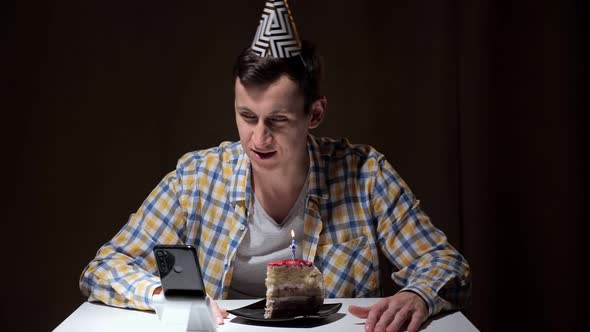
pixel 280 182
pixel 278 191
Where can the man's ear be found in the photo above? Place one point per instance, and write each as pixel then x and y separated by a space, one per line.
pixel 318 112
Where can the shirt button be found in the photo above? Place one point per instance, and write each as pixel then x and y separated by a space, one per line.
pixel 242 227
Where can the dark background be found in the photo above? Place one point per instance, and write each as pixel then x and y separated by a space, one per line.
pixel 477 104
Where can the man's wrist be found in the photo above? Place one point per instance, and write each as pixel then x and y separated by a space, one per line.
pixel 417 294
pixel 423 291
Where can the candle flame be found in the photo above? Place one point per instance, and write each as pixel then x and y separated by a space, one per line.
pixel 292 234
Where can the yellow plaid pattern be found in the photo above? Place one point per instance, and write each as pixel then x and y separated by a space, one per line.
pixel 356 205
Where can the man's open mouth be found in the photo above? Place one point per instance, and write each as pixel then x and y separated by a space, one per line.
pixel 264 155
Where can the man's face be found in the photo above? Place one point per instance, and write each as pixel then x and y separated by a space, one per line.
pixel 272 124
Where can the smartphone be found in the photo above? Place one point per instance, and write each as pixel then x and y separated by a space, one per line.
pixel 179 270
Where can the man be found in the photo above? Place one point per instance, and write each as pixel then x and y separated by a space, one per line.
pixel 237 203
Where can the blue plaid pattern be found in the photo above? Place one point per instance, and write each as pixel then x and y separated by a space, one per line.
pixel 356 205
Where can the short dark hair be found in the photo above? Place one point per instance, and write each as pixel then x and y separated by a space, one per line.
pixel 305 70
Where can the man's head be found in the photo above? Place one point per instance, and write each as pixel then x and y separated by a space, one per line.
pixel 305 70
pixel 277 101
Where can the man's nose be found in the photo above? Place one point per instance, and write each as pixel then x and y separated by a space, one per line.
pixel 262 135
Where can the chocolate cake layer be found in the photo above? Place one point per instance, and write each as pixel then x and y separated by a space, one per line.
pixel 292 306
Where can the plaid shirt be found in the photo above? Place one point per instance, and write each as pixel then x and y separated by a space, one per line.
pixel 356 205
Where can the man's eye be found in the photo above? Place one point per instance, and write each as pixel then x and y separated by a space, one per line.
pixel 248 117
pixel 278 119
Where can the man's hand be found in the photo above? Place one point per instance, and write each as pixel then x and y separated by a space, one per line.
pixel 218 313
pixel 392 312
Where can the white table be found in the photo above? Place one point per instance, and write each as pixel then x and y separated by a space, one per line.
pixel 98 317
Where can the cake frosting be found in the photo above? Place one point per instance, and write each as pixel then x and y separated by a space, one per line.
pixel 294 287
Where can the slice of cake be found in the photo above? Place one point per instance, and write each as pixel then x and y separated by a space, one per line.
pixel 294 287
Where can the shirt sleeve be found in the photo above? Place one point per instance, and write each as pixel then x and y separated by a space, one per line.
pixel 123 272
pixel 426 263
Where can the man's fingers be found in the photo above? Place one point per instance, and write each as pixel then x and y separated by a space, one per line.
pixel 393 313
pixel 218 313
pixel 360 312
pixel 217 316
pixel 386 318
pixel 397 322
pixel 374 314
pixel 417 319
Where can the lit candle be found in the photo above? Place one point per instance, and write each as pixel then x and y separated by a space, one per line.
pixel 293 246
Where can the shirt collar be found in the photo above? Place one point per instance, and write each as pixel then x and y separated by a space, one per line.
pixel 240 186
pixel 317 169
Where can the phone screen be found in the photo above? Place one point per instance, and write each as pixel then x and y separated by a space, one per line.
pixel 179 270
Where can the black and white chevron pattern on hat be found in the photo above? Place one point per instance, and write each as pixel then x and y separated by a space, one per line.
pixel 276 35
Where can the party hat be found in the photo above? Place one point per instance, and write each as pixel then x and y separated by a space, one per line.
pixel 276 35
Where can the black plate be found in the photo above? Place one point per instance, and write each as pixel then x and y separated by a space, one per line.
pixel 255 311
